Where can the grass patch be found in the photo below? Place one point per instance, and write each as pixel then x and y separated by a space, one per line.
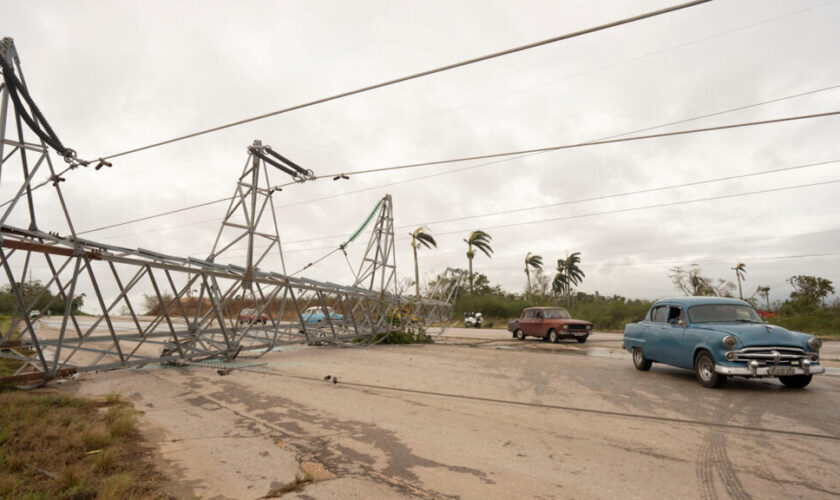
pixel 9 366
pixel 56 446
pixel 5 322
pixel 122 421
pixel 823 322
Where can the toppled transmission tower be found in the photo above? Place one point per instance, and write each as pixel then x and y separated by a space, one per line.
pixel 379 265
pixel 196 308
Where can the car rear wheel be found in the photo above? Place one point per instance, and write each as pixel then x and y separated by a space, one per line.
pixel 639 359
pixel 552 336
pixel 520 334
pixel 704 366
pixel 796 381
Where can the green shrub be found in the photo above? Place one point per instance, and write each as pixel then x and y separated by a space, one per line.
pixel 401 337
pixel 822 321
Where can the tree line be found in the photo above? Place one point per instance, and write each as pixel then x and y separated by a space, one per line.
pixel 568 273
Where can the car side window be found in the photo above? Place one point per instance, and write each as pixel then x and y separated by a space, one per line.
pixel 676 315
pixel 538 314
pixel 659 314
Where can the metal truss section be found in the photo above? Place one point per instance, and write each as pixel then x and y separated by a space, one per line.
pixel 378 270
pixel 150 307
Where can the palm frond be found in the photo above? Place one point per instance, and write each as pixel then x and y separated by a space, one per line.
pixel 484 247
pixel 479 236
pixel 534 261
pixel 559 283
pixel 426 239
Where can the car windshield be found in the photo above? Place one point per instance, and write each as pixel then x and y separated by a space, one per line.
pixel 557 313
pixel 711 313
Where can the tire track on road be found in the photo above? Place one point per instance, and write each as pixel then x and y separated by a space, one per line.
pixel 713 457
pixel 591 411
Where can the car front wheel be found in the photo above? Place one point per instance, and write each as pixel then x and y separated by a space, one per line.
pixel 639 359
pixel 581 340
pixel 704 366
pixel 796 381
pixel 520 334
pixel 552 336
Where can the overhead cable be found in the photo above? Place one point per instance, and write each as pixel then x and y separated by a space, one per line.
pixel 588 143
pixel 595 198
pixel 699 262
pixel 604 140
pixel 420 74
pixel 647 207
pixel 607 212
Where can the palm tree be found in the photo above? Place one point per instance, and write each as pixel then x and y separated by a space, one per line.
pixel 559 282
pixel 568 274
pixel 764 291
pixel 420 236
pixel 740 272
pixel 534 261
pixel 480 240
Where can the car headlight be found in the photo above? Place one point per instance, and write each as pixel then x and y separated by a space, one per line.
pixel 565 327
pixel 814 344
pixel 730 342
pixel 588 327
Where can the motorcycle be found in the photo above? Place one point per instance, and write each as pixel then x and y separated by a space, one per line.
pixel 473 320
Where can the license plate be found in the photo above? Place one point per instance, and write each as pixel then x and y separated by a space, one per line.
pixel 780 370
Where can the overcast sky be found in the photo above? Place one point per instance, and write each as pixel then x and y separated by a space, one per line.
pixel 111 76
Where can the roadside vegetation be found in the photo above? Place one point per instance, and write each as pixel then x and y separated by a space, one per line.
pixel 34 292
pixel 607 313
pixel 57 446
pixel 806 309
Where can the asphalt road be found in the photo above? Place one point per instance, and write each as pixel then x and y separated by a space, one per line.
pixel 480 415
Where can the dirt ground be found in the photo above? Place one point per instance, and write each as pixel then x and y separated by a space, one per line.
pixel 479 418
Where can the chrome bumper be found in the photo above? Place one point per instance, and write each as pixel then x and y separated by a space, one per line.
pixel 568 333
pixel 764 371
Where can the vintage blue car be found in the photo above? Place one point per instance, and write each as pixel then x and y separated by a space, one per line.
pixel 316 316
pixel 718 338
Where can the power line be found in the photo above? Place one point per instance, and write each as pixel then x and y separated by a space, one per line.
pixel 584 144
pixel 421 74
pixel 657 205
pixel 550 205
pixel 595 198
pixel 216 219
pixel 688 261
pixel 635 209
pixel 627 193
pixel 504 156
pixel 610 212
pixel 602 68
